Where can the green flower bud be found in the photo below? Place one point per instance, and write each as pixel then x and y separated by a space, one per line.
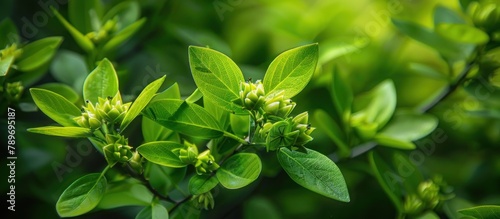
pixel 203 201
pixel 205 163
pixel 117 153
pixel 110 109
pixel 14 91
pixel 276 105
pixel 485 15
pixel 190 154
pixel 302 118
pixel 252 95
pixel 136 162
pixel 94 123
pixel 11 50
pixel 429 193
pixel 413 204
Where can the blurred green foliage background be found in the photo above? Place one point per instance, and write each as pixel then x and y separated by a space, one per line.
pixel 252 33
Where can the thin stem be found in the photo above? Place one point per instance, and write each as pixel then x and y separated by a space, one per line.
pixel 177 204
pixel 233 136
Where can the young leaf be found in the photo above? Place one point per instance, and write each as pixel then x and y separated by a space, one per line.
pixel 382 104
pixel 125 193
pixel 142 100
pixel 154 211
pixel 183 117
pixel 72 132
pixel 239 170
pixel 482 212
pixel 162 152
pixel 291 70
pixel 217 77
pixel 55 106
pixel 5 64
pixel 102 82
pixel 462 33
pixel 80 39
pixel 82 196
pixel 38 53
pixel 199 184
pixel 64 90
pixel 123 35
pixel 314 171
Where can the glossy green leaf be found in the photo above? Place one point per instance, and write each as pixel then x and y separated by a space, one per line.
pixel 382 104
pixel 55 106
pixel 387 179
pixel 314 171
pixel 63 90
pixel 38 53
pixel 162 152
pixel 153 131
pixel 482 212
pixel 216 76
pixel 389 141
pixel 142 100
pixel 70 68
pixel 443 14
pixel 80 14
pixel 239 170
pixel 72 132
pixel 199 184
pixel 101 82
pixel 126 12
pixel 84 42
pixel 462 33
pixel 123 35
pixel 9 33
pixel 291 70
pixel 183 117
pixel 5 64
pixel 406 127
pixel 154 211
pixel 332 129
pixel 195 96
pixel 125 193
pixel 82 196
pixel 342 97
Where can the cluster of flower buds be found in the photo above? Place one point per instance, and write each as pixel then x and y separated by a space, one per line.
pixel 252 95
pixel 189 155
pixel 13 91
pixel 485 14
pixel 205 163
pixel 117 149
pixel 276 105
pixel 429 194
pixel 100 35
pixel 136 162
pixel 300 123
pixel 293 132
pixel 108 110
pixel 203 201
pixel 11 50
pixel 363 127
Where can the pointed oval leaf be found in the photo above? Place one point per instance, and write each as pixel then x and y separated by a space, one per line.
pixel 154 211
pixel 142 100
pixel 102 82
pixel 123 35
pixel 38 53
pixel 406 127
pixel 72 132
pixel 55 106
pixel 62 89
pixel 291 70
pixel 314 171
pixel 183 117
pixel 162 152
pixel 462 33
pixel 5 64
pixel 199 184
pixel 125 193
pixel 217 77
pixel 239 170
pixel 382 104
pixel 127 13
pixel 84 42
pixel 82 196
pixel 153 131
pixel 482 212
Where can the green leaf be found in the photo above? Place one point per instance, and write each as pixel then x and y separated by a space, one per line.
pixel 142 100
pixel 153 131
pixel 125 193
pixel 165 153
pixel 154 211
pixel 102 82
pixel 462 33
pixel 70 68
pixel 382 104
pixel 38 53
pixel 164 179
pixel 482 212
pixel 123 35
pixel 445 15
pixel 84 42
pixel 332 129
pixel 5 64
pixel 406 127
pixel 217 77
pixel 387 179
pixel 195 96
pixel 333 49
pixel 199 184
pixel 291 70
pixel 79 12
pixel 9 33
pixel 342 97
pixel 127 13
pixel 451 207
pixel 55 106
pixel 73 132
pixel 63 90
pixel 239 170
pixel 183 117
pixel 314 171
pixel 82 196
